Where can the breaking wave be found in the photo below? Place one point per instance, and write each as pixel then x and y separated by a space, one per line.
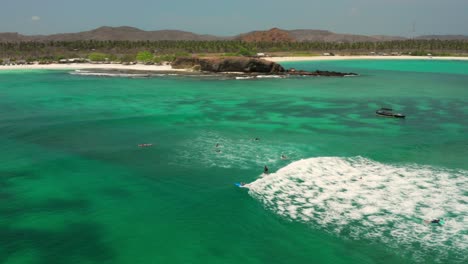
pixel 110 74
pixel 357 198
pixel 260 77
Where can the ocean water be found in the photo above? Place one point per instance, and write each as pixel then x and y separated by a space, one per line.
pixel 75 187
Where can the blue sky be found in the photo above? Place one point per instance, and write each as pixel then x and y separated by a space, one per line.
pixel 218 17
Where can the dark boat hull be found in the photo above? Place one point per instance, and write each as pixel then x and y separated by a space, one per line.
pixel 385 113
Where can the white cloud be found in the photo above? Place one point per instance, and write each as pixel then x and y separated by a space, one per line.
pixel 35 18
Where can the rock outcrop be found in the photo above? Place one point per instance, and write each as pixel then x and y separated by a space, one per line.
pixel 246 66
pixel 234 64
pixel 293 71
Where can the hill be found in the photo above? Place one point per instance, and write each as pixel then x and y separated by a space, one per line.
pixel 111 33
pixel 328 36
pixel 444 37
pixel 272 35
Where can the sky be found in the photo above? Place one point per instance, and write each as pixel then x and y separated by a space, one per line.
pixel 231 17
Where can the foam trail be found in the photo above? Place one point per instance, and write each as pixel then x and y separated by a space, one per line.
pixel 358 198
pixel 109 74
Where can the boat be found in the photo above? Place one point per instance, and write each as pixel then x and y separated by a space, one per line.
pixel 145 145
pixel 388 112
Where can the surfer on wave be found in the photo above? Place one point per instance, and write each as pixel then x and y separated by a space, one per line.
pixel 435 221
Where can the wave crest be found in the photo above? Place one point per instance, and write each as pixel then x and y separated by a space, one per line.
pixel 358 198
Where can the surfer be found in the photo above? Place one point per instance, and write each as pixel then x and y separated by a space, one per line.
pixel 435 221
pixel 217 144
pixel 242 185
pixel 265 169
pixel 145 145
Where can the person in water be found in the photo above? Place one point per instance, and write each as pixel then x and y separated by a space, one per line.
pixel 265 169
pixel 283 157
pixel 434 221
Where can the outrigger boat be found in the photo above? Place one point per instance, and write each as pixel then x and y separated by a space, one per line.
pixel 388 112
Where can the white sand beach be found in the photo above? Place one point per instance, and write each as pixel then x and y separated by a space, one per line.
pixel 156 68
pixel 81 66
pixel 319 58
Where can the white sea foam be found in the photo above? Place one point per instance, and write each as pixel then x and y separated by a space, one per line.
pixel 358 198
pixel 270 76
pixel 245 77
pixel 260 77
pixel 232 152
pixel 111 74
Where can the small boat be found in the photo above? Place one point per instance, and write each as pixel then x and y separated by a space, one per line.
pixel 146 145
pixel 388 112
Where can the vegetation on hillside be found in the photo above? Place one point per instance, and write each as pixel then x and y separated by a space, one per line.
pixel 156 51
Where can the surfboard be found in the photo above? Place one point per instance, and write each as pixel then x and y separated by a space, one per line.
pixel 238 184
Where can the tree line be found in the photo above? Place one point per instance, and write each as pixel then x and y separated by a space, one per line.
pixel 128 50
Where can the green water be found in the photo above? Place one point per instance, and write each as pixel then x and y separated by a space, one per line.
pixel 76 188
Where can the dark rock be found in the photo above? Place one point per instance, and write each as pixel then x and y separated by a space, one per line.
pixel 246 65
pixel 235 64
pixel 293 71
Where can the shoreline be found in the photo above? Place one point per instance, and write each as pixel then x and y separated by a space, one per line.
pixel 358 57
pixel 168 68
pixel 84 66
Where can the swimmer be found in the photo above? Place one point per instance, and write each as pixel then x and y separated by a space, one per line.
pixel 256 139
pixel 283 157
pixel 218 150
pixel 217 145
pixel 434 221
pixel 265 169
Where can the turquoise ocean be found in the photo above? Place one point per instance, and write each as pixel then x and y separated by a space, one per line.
pixel 75 187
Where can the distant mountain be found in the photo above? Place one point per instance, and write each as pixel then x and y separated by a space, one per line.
pixel 112 33
pixel 299 35
pixel 273 35
pixel 444 37
pixel 12 37
pixel 328 36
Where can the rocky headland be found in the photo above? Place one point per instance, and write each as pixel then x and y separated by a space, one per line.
pixel 246 66
pixel 231 64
